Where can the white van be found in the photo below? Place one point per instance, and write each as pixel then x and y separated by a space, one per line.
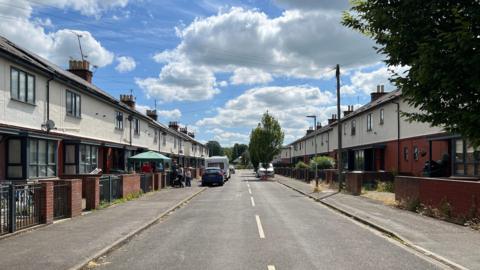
pixel 219 162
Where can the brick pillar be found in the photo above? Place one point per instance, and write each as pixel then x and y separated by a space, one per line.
pixel 92 192
pixel 47 203
pixel 75 197
pixel 156 180
pixel 354 183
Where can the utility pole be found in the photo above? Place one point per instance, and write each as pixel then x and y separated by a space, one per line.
pixel 315 138
pixel 339 130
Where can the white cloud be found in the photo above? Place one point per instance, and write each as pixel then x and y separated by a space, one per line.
pixel 250 76
pixel 289 104
pixel 85 7
pixel 180 82
pixel 57 46
pixel 365 82
pixel 174 114
pixel 228 138
pixel 125 64
pixel 314 4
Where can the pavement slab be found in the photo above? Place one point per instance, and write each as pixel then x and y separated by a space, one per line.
pixel 457 244
pixel 70 243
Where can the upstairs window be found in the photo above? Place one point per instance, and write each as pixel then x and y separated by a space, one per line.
pixel 405 153
pixel 73 104
pixel 353 128
pixel 136 126
pixel 155 136
pixel 175 143
pixel 415 152
pixel 119 120
pixel 345 129
pixel 164 142
pixel 22 86
pixel 382 116
pixel 369 122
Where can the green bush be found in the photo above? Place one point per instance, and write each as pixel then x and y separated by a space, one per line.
pixel 322 163
pixel 385 187
pixel 302 165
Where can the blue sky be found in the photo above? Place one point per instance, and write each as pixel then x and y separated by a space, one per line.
pixel 214 66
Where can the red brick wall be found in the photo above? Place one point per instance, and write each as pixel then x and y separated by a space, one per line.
pixel 354 183
pixel 75 197
pixel 91 189
pixel 463 196
pixel 46 208
pixel 130 184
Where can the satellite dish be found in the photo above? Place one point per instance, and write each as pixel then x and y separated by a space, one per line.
pixel 49 125
pixel 130 117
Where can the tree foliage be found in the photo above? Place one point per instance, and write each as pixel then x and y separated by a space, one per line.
pixel 214 148
pixel 265 140
pixel 238 150
pixel 322 163
pixel 438 42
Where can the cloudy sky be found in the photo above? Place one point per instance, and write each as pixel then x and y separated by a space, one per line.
pixel 215 66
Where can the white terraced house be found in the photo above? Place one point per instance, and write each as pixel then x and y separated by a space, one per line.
pixel 376 137
pixel 55 122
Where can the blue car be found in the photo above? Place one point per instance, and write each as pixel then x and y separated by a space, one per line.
pixel 213 175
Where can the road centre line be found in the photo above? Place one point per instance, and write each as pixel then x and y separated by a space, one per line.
pixel 253 202
pixel 271 267
pixel 250 191
pixel 261 233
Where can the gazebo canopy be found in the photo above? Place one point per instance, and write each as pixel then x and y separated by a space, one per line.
pixel 149 156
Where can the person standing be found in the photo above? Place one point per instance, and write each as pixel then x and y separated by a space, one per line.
pixel 181 175
pixel 188 177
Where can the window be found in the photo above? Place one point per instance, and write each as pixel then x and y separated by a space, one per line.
pixel 119 120
pixel 322 140
pixel 467 159
pixel 415 152
pixel 174 142
pixel 88 158
pixel 41 158
pixel 155 136
pixel 369 122
pixel 164 139
pixel 22 86
pixel 405 153
pixel 73 104
pixel 345 129
pixel 136 126
pixel 14 159
pixel 70 160
pixel 354 127
pixel 359 160
pixel 382 116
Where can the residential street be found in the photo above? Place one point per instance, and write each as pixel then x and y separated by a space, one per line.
pixel 250 224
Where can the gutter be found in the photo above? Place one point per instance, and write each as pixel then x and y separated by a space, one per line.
pixel 48 97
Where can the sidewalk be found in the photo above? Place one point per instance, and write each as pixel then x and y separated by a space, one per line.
pixel 72 243
pixel 453 244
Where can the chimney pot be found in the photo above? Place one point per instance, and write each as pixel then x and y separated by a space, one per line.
pixel 81 69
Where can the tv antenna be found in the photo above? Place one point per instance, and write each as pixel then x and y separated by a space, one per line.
pixel 80 44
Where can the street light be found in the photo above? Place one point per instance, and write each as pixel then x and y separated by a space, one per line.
pixel 315 138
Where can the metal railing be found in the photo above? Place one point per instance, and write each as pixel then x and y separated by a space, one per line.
pixel 60 200
pixel 146 182
pixel 20 206
pixel 110 188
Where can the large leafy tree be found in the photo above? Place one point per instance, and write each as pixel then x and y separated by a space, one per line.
pixel 265 140
pixel 438 42
pixel 214 148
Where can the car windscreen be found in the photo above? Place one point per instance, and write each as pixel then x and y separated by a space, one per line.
pixel 215 164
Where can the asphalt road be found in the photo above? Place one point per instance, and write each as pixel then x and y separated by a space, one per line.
pixel 250 224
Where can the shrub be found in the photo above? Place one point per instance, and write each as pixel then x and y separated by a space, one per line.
pixel 301 165
pixel 322 163
pixel 385 187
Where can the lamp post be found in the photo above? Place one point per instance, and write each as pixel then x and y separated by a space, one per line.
pixel 315 138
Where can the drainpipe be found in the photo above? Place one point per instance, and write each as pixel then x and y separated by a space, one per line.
pixel 398 136
pixel 48 98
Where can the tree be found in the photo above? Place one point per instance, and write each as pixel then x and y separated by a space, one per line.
pixel 437 41
pixel 238 150
pixel 265 140
pixel 214 148
pixel 227 151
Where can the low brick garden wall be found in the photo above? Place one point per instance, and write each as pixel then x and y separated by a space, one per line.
pixel 460 198
pixel 130 184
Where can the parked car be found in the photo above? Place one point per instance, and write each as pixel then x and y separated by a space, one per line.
pixel 213 175
pixel 267 170
pixel 232 169
pixel 220 162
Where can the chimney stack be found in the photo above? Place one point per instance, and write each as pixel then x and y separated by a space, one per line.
pixel 128 100
pixel 348 111
pixel 319 125
pixel 333 119
pixel 81 68
pixel 173 125
pixel 152 114
pixel 184 130
pixel 309 130
pixel 380 92
pixel 191 134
